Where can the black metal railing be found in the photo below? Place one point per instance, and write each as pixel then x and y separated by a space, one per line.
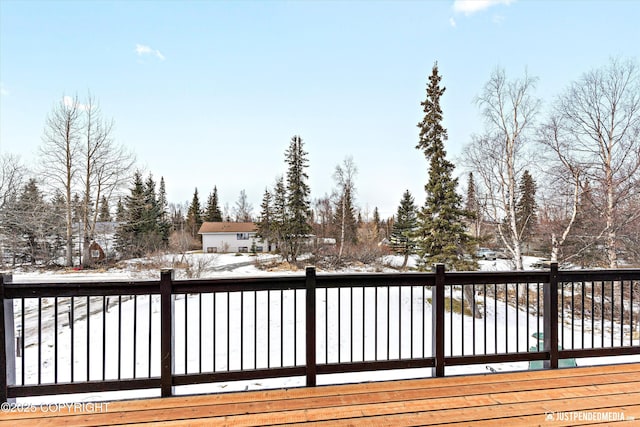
pixel 107 336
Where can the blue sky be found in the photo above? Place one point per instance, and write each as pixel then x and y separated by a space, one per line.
pixel 210 92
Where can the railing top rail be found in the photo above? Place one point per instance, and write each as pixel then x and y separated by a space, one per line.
pixel 495 277
pixel 77 289
pixel 606 275
pixel 238 284
pixel 297 281
pixel 375 279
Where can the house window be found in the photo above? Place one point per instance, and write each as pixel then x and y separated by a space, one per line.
pixel 259 248
pixel 242 236
pixel 95 253
pixel 243 249
pixel 212 250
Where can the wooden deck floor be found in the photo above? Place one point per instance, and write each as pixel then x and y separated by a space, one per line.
pixel 575 396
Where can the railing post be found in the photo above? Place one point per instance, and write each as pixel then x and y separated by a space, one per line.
pixel 310 310
pixel 3 348
pixel 8 340
pixel 166 333
pixel 550 311
pixel 437 322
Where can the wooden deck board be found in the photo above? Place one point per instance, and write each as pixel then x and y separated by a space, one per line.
pixel 517 398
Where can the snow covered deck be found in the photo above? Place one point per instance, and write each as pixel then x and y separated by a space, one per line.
pixel 573 396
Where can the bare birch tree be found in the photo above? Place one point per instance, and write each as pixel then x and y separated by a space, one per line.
pixel 106 167
pixel 344 176
pixel 78 154
pixel 498 157
pixel 566 178
pixel 59 157
pixel 600 122
pixel 243 210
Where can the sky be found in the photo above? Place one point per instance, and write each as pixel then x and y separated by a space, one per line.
pixel 210 92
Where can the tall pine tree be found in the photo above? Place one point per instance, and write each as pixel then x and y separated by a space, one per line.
pixel 121 214
pixel 280 217
pixel 265 220
pixel 130 233
pixel 298 202
pixel 526 208
pixel 376 222
pixel 194 215
pixel 441 233
pixel 105 212
pixel 473 208
pixel 164 222
pixel 404 227
pixel 156 237
pixel 213 212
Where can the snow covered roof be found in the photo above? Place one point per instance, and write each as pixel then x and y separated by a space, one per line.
pixel 227 227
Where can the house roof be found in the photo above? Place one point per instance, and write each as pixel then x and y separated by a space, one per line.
pixel 227 227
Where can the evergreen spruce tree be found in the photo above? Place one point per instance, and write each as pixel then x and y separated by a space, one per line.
pixel 582 243
pixel 473 208
pixel 376 222
pixel 441 233
pixel 298 202
pixel 58 220
pixel 105 212
pixel 526 207
pixel 280 217
pixel 194 216
pixel 163 203
pixel 76 205
pixel 404 227
pixel 213 212
pixel 121 213
pixel 151 217
pixel 472 200
pixel 164 222
pixel 264 223
pixel 345 218
pixel 176 218
pixel 130 234
pixel 31 217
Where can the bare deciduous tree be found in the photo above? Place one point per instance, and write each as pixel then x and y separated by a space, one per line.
pixel 11 177
pixel 59 157
pixel 599 121
pixel 106 167
pixel 498 157
pixel 344 176
pixel 566 178
pixel 243 210
pixel 78 153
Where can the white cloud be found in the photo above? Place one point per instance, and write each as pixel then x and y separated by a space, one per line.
pixel 69 101
pixel 147 50
pixel 469 7
pixel 452 22
pixel 3 90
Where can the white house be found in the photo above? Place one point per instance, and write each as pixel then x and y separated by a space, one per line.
pixel 231 237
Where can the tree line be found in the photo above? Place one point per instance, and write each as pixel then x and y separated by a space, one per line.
pixel 563 181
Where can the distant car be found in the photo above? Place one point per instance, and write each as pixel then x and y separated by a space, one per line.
pixel 541 263
pixel 486 253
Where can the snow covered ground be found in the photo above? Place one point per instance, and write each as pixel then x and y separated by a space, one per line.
pixel 201 316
